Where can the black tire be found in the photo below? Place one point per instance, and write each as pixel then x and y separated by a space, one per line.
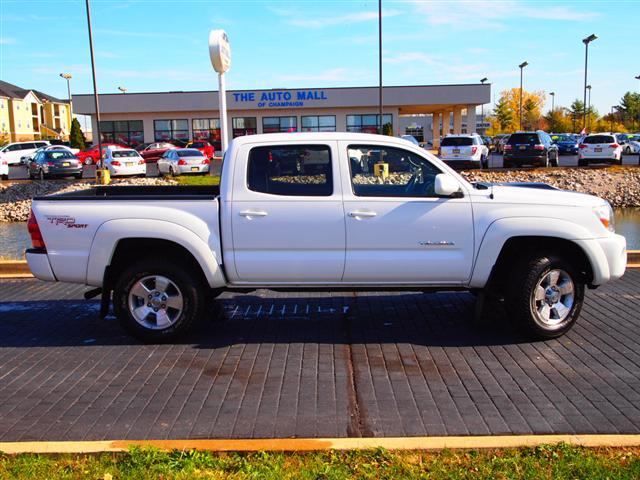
pixel 506 164
pixel 41 174
pixel 523 306
pixel 78 176
pixel 192 291
pixel 582 163
pixel 555 162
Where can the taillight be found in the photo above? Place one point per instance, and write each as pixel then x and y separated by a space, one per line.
pixel 474 150
pixel 507 147
pixel 206 161
pixel 614 145
pixel 582 145
pixel 141 161
pixel 538 147
pixel 182 162
pixel 34 231
pixel 51 164
pixel 115 163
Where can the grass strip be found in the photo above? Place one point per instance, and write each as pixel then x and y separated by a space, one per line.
pixel 559 462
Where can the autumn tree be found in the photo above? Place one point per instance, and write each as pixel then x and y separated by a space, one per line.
pixel 629 109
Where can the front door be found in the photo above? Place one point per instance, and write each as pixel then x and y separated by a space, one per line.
pixel 287 217
pixel 398 230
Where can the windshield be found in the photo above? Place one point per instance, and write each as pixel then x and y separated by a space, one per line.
pixel 124 154
pixel 189 153
pixel 565 138
pixel 456 141
pixel 198 145
pixel 59 154
pixel 524 138
pixel 599 139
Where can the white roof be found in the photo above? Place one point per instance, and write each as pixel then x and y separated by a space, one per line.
pixel 318 137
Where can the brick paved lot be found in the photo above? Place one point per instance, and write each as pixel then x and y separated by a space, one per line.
pixel 313 364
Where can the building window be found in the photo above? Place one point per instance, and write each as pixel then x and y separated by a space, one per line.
pixel 244 126
pixel 126 132
pixel 318 123
pixel 370 123
pixel 415 132
pixel 207 129
pixel 301 170
pixel 171 130
pixel 56 109
pixel 279 124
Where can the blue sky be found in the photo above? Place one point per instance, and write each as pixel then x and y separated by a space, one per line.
pixel 158 45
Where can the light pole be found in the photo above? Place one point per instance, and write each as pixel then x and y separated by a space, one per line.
pixel 380 63
pixel 553 99
pixel 586 42
pixel 67 77
pixel 589 107
pixel 611 121
pixel 95 85
pixel 123 90
pixel 482 80
pixel 522 65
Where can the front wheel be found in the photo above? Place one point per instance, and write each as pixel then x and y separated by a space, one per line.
pixel 158 301
pixel 555 162
pixel 546 295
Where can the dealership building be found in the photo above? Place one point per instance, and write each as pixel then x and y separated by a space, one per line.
pixel 425 111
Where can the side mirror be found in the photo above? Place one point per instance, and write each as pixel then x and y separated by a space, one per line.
pixel 446 185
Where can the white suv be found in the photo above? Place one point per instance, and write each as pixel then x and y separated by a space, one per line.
pixel 11 153
pixel 464 151
pixel 599 147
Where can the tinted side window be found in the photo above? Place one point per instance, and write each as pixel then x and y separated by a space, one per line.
pixel 300 170
pixel 28 146
pixel 390 172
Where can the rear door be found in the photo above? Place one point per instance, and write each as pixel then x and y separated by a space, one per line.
pixel 287 217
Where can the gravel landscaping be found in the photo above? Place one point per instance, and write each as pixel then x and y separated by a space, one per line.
pixel 619 185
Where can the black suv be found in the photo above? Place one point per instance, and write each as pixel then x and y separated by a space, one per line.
pixel 530 148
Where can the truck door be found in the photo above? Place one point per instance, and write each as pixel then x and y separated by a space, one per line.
pixel 398 230
pixel 287 216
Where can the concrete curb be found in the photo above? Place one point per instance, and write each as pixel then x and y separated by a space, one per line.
pixel 319 444
pixel 20 269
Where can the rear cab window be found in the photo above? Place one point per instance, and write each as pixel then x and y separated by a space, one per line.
pixel 291 170
pixel 524 139
pixel 593 139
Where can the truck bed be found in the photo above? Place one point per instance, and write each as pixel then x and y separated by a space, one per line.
pixel 134 192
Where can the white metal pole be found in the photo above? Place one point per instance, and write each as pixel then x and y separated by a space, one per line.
pixel 222 101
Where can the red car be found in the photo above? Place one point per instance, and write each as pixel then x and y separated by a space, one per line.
pixel 91 154
pixel 152 152
pixel 205 147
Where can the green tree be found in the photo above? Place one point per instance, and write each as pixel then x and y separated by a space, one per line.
pixel 503 114
pixel 530 115
pixel 576 113
pixel 76 136
pixel 558 121
pixel 630 109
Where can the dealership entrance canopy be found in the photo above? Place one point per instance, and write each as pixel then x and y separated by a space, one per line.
pixel 426 111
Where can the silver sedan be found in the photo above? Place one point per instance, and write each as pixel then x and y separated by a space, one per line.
pixel 183 160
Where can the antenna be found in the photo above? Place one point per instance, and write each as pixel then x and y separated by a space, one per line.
pixel 491 192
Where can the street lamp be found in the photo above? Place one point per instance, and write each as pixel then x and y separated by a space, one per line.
pixel 380 64
pixel 522 65
pixel 611 121
pixel 586 42
pixel 589 105
pixel 67 77
pixel 482 80
pixel 122 89
pixel 553 101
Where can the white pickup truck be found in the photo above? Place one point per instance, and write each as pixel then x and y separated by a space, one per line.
pixel 326 211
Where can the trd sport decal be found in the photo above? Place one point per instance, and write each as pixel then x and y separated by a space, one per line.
pixel 65 220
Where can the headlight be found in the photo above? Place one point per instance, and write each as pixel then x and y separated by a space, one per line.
pixel 605 215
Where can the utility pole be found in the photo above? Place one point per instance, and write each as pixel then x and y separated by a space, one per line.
pixel 380 63
pixel 589 108
pixel 586 42
pixel 95 86
pixel 521 66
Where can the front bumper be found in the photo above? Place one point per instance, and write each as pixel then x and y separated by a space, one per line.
pixel 39 265
pixel 608 257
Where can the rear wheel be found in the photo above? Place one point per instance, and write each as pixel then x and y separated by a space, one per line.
pixel 554 162
pixel 158 301
pixel 582 162
pixel 78 176
pixel 41 174
pixel 545 296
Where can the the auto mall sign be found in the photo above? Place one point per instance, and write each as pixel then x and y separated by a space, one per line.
pixel 280 98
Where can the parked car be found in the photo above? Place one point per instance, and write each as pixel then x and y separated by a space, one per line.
pixel 54 163
pixel 161 253
pixel 124 161
pixel 205 147
pixel 464 151
pixel 152 152
pixel 625 140
pixel 634 144
pixel 500 141
pixel 183 160
pixel 410 139
pixel 567 144
pixel 91 155
pixel 531 149
pixel 12 152
pixel 25 159
pixel 598 148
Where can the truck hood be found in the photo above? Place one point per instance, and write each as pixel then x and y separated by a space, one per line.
pixel 537 194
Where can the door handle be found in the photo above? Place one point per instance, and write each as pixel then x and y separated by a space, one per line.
pixel 253 213
pixel 358 214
